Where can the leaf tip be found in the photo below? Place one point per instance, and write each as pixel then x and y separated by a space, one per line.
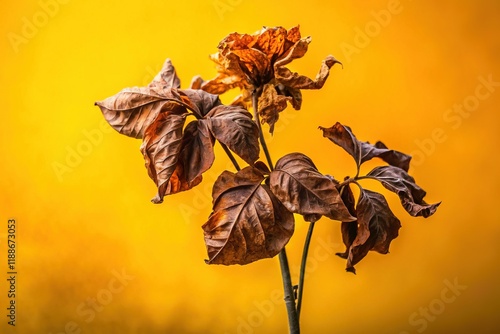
pixel 342 255
pixel 157 199
pixel 351 270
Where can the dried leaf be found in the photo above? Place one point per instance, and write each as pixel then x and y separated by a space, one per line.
pixel 234 127
pixel 256 63
pixel 377 227
pixel 247 223
pixel 411 195
pixel 270 104
pixel 132 110
pixel 197 153
pixel 364 151
pixel 161 147
pixel 167 76
pixel 349 229
pixel 298 184
pixel 294 80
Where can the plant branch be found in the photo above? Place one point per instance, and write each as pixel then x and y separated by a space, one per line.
pixel 293 319
pixel 303 267
pixel 255 105
pixel 231 156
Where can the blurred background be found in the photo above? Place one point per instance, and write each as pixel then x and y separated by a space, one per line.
pixel 95 256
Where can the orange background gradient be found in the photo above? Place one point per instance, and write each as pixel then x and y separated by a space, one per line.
pixel 78 225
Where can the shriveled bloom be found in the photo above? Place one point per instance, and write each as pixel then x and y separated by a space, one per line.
pixel 256 64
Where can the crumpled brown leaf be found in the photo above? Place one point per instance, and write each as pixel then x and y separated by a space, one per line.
pixel 175 157
pixel 411 195
pixel 256 64
pixel 234 127
pixel 364 151
pixel 248 223
pixel 298 184
pixel 349 229
pixel 377 227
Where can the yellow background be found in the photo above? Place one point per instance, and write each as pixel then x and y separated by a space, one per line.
pixel 74 229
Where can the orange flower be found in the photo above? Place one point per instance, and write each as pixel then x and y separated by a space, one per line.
pixel 256 64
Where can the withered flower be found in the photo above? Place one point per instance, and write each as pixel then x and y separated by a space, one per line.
pixel 256 64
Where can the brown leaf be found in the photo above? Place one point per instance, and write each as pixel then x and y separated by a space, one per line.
pixel 247 223
pixel 234 127
pixel 167 76
pixel 377 227
pixel 256 64
pixel 270 104
pixel 161 147
pixel 294 80
pixel 132 110
pixel 349 229
pixel 411 195
pixel 303 189
pixel 364 151
pixel 196 156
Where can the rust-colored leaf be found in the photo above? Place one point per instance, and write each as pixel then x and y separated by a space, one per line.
pixel 256 63
pixel 294 80
pixel 349 229
pixel 364 151
pixel 377 227
pixel 411 195
pixel 248 223
pixel 197 153
pixel 303 189
pixel 161 147
pixel 234 127
pixel 270 104
pixel 132 110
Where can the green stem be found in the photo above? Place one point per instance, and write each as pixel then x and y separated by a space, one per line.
pixel 293 319
pixel 303 267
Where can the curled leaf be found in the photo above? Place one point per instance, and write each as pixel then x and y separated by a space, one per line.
pixel 349 229
pixel 364 151
pixel 234 127
pixel 411 195
pixel 298 184
pixel 161 147
pixel 132 110
pixel 256 64
pixel 377 227
pixel 248 223
pixel 167 76
pixel 175 158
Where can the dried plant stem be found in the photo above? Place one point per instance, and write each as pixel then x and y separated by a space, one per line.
pixel 303 267
pixel 293 319
pixel 255 98
pixel 231 156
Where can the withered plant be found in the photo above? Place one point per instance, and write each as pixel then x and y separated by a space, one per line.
pixel 254 207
